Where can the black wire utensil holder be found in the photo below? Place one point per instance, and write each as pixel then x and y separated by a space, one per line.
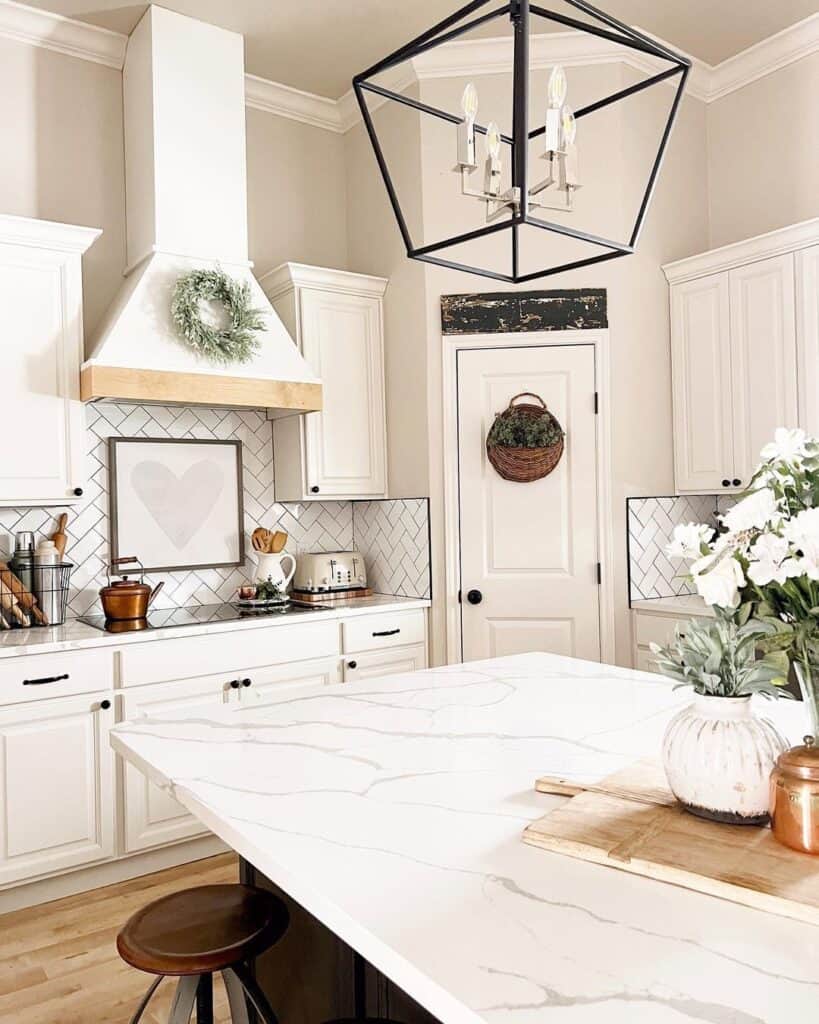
pixel 42 603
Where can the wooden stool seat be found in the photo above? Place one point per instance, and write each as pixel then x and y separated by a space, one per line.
pixel 202 930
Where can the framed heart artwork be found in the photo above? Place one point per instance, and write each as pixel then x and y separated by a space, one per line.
pixel 176 504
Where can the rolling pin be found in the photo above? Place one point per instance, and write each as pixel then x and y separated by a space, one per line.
pixel 24 597
pixel 60 539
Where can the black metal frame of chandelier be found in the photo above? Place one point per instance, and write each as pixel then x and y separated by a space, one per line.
pixel 519 12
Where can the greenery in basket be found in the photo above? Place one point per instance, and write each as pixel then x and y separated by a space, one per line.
pixel 719 658
pixel 517 430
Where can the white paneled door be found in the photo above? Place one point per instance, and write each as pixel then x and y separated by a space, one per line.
pixel 528 550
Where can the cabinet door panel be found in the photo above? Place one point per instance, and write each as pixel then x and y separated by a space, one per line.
pixel 152 816
pixel 700 349
pixel 763 357
pixel 56 786
pixel 345 443
pixel 43 460
pixel 807 333
pixel 384 663
pixel 273 684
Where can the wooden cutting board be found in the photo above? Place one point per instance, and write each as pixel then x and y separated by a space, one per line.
pixel 630 821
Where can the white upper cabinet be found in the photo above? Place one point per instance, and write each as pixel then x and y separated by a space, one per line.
pixel 744 353
pixel 336 320
pixel 42 345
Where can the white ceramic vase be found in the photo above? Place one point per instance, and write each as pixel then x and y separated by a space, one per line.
pixel 718 756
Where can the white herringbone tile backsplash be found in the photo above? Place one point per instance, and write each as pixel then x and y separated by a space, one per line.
pixel 651 523
pixel 393 537
pixel 398 567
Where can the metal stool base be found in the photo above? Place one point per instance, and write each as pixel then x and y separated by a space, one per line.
pixel 197 990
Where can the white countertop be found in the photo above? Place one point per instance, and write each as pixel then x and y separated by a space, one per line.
pixel 685 604
pixel 392 811
pixel 76 635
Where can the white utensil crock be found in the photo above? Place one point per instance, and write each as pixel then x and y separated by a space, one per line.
pixel 718 756
pixel 269 567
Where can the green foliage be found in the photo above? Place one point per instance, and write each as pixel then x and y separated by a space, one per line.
pixel 267 590
pixel 235 343
pixel 517 430
pixel 719 657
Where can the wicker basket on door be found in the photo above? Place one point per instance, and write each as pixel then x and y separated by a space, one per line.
pixel 515 443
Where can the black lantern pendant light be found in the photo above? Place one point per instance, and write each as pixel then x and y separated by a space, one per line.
pixel 523 205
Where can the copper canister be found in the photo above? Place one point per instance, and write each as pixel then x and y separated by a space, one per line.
pixel 795 797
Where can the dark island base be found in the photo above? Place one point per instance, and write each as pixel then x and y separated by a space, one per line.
pixel 309 976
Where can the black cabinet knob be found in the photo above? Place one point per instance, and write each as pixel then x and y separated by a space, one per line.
pixel 314 489
pixel 246 682
pixel 234 684
pixel 105 704
pixel 78 491
pixel 736 481
pixel 726 482
pixel 474 597
pixel 352 664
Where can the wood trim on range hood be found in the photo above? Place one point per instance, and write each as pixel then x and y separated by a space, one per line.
pixel 117 382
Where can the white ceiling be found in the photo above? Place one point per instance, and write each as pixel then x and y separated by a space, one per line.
pixel 318 45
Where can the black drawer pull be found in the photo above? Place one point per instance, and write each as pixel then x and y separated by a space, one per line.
pixel 44 680
pixel 247 682
pixel 234 684
pixel 105 704
pixel 387 632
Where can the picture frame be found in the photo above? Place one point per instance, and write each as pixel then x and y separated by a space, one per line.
pixel 176 503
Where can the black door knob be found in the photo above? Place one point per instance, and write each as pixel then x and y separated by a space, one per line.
pixel 314 489
pixel 234 684
pixel 78 491
pixel 736 481
pixel 726 482
pixel 105 704
pixel 352 664
pixel 474 597
pixel 246 682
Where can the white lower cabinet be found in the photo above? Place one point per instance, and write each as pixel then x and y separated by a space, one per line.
pixel 280 681
pixel 151 816
pixel 56 785
pixel 373 664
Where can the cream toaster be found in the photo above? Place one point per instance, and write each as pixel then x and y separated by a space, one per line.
pixel 330 571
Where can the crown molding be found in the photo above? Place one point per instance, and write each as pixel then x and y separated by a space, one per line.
pixel 472 58
pixel 287 276
pixel 63 35
pixel 772 54
pixel 737 254
pixel 282 100
pixel 46 234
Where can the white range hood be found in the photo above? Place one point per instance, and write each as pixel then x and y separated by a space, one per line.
pixel 186 202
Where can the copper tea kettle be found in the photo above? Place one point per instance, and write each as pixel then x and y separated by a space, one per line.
pixel 124 598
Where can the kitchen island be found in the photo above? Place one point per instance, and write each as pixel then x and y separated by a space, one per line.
pixel 391 812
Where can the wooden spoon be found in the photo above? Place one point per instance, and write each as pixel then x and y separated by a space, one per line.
pixel 59 538
pixel 258 538
pixel 278 542
pixel 25 598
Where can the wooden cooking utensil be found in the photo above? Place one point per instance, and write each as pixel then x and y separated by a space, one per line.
pixel 8 602
pixel 257 538
pixel 60 539
pixel 278 542
pixel 24 597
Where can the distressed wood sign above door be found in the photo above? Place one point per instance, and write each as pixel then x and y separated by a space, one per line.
pixel 515 312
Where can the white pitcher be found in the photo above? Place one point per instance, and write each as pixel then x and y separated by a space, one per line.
pixel 269 566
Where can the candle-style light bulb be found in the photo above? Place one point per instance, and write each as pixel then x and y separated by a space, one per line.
pixel 569 125
pixel 558 86
pixel 466 129
pixel 493 160
pixel 556 97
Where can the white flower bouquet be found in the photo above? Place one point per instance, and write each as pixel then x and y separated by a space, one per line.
pixel 764 561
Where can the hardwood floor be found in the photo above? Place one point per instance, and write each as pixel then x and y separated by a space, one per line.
pixel 59 962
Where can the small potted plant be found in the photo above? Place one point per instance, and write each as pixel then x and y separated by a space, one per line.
pixel 717 753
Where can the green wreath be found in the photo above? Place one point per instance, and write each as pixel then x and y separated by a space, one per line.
pixel 235 343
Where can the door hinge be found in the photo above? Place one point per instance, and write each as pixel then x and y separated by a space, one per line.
pixel 599 574
pixel 596 403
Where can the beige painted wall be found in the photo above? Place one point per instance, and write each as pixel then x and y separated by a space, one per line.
pixel 763 144
pixel 62 160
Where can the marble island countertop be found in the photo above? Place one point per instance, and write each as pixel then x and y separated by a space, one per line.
pixel 76 635
pixel 392 811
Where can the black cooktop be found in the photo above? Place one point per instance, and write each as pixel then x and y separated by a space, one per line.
pixel 198 615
